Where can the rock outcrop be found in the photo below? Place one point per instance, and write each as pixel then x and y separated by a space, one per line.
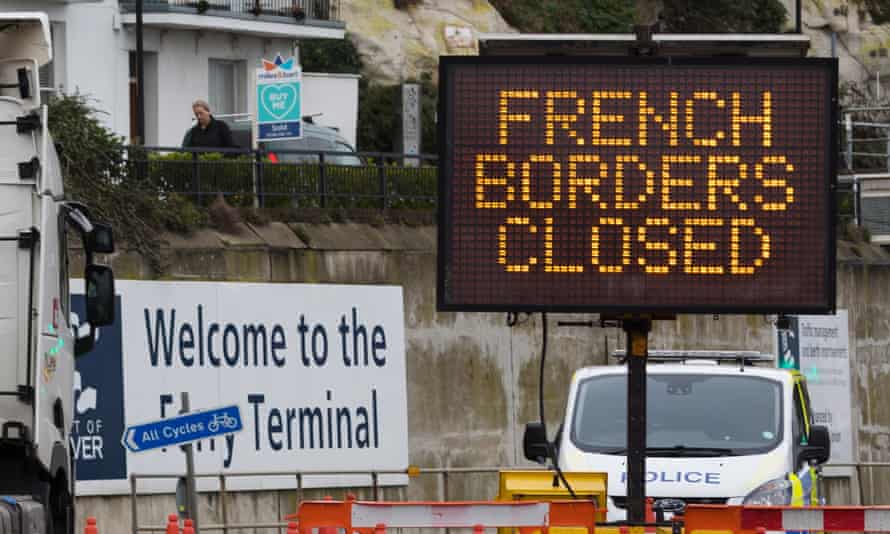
pixel 401 44
pixel 861 46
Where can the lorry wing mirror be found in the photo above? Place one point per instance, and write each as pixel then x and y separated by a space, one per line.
pixel 99 295
pixel 818 448
pixel 534 443
pixel 101 239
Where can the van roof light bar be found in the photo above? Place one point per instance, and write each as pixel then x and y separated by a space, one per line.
pixel 745 357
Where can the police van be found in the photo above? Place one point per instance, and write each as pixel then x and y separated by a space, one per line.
pixel 716 434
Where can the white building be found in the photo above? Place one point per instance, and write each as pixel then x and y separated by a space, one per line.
pixel 193 49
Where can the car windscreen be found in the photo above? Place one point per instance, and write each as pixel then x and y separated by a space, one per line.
pixel 351 160
pixel 686 415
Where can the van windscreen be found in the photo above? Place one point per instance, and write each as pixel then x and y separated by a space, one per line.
pixel 686 415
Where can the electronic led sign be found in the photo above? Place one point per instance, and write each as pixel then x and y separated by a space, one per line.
pixel 609 185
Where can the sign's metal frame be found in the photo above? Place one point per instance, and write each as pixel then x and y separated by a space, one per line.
pixel 445 133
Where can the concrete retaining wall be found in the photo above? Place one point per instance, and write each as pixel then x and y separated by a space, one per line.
pixel 472 379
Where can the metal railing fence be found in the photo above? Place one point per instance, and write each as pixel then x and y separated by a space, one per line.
pixel 298 10
pixel 290 178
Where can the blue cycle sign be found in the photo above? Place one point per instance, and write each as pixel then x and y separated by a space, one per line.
pixel 279 95
pixel 186 428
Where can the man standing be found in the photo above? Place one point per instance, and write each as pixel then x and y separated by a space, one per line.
pixel 209 132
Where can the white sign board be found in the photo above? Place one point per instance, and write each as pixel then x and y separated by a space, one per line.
pixel 317 371
pixel 820 346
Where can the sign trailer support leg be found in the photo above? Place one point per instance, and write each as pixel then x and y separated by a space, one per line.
pixel 191 491
pixel 637 329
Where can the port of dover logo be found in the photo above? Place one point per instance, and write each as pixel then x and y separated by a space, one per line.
pixel 98 401
pixel 279 99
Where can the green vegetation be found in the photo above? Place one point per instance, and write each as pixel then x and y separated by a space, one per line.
pixel 567 16
pixel 608 16
pixel 95 172
pixel 380 117
pixel 289 185
pixel 723 16
pixel 330 55
pixel 878 9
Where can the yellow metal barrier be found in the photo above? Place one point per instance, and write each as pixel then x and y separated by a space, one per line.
pixel 546 486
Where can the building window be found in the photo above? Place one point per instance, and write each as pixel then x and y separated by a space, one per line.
pixel 227 91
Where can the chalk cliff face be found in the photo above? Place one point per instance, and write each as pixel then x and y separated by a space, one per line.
pixel 401 44
pixel 861 46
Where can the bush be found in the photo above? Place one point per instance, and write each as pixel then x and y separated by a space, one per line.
pixel 330 55
pixel 567 16
pixel 380 117
pixel 609 16
pixel 96 173
pixel 180 215
pixel 223 216
pixel 878 9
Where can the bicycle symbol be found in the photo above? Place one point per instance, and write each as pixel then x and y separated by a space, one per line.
pixel 224 421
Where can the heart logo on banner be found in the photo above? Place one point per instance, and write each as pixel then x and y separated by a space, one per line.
pixel 279 100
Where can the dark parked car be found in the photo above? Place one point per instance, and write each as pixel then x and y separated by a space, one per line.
pixel 315 137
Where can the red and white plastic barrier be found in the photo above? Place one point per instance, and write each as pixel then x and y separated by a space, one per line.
pixel 838 519
pixel 374 517
pixel 746 519
pixel 442 515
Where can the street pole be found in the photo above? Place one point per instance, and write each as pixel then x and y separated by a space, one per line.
pixel 140 77
pixel 191 491
pixel 637 329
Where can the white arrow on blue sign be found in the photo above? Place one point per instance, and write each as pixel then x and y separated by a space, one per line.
pixel 192 426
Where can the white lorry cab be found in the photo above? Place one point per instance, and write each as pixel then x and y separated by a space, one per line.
pixel 37 344
pixel 716 434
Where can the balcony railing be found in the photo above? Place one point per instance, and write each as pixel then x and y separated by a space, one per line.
pixel 299 11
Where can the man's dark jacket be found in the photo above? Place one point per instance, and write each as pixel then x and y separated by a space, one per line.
pixel 216 135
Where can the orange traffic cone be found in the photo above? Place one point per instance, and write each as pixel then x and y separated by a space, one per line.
pixel 650 513
pixel 91 526
pixel 189 527
pixel 172 524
